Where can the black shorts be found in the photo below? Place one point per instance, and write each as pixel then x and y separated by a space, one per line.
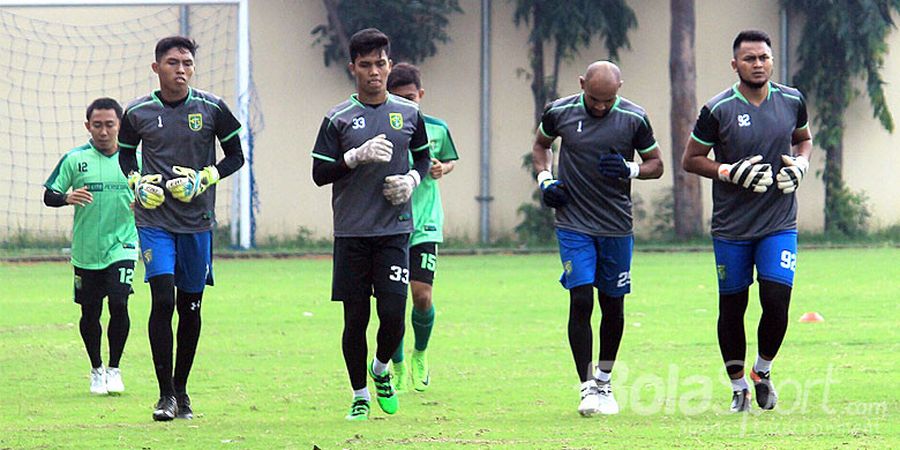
pixel 363 265
pixel 423 262
pixel 92 285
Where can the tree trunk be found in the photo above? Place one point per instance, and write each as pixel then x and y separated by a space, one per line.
pixel 688 208
pixel 833 177
pixel 537 67
pixel 334 18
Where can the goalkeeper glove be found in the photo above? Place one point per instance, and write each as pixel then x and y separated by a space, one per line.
pixel 553 192
pixel 191 183
pixel 791 173
pixel 377 149
pixel 613 165
pixel 398 189
pixel 147 191
pixel 748 173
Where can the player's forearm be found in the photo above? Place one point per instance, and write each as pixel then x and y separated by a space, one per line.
pixel 803 148
pixel 448 167
pixel 327 172
pixel 234 157
pixel 651 169
pixel 541 158
pixel 54 199
pixel 695 160
pixel 128 160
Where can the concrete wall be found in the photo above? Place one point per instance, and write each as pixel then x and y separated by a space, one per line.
pixel 295 90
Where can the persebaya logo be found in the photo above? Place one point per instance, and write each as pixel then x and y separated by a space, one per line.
pixel 567 266
pixel 396 120
pixel 195 121
pixel 148 255
pixel 721 270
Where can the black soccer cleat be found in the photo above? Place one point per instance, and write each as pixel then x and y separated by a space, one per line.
pixel 766 397
pixel 184 407
pixel 740 401
pixel 166 409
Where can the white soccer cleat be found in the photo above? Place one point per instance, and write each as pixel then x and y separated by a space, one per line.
pixel 608 403
pixel 114 384
pixel 590 399
pixel 98 381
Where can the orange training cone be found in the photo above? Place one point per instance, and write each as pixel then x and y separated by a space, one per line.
pixel 811 317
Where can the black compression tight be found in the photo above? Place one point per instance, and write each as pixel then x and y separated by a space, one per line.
pixel 391 309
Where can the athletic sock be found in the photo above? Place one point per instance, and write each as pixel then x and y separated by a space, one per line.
pixel 379 367
pixel 762 366
pixel 188 336
pixel 398 355
pixel 603 377
pixel 89 325
pixel 739 384
pixel 162 293
pixel 362 393
pixel 423 323
pixel 117 330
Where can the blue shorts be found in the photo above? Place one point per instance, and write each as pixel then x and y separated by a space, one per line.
pixel 188 256
pixel 775 257
pixel 604 262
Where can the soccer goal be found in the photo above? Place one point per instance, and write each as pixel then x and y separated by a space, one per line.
pixel 58 55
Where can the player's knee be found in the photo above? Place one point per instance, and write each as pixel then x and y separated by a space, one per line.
pixel 391 308
pixel 91 310
pixel 581 301
pixel 118 305
pixel 612 307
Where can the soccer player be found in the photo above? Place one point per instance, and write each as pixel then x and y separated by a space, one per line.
pixel 428 221
pixel 178 126
pixel 363 150
pixel 104 239
pixel 601 132
pixel 754 126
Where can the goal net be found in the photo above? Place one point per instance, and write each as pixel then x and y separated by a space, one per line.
pixel 55 60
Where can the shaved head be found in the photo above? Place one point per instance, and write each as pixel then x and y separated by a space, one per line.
pixel 600 83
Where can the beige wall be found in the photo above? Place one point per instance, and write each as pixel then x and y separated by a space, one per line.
pixel 295 90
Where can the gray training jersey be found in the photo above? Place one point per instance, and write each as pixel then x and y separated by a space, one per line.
pixel 735 128
pixel 183 135
pixel 598 205
pixel 360 208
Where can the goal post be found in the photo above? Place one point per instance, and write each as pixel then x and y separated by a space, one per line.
pixel 58 70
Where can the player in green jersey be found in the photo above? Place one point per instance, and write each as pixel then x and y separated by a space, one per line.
pixel 428 219
pixel 104 238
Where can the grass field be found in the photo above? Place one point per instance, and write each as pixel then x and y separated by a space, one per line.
pixel 269 372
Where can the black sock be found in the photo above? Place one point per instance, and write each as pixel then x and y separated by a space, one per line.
pixel 391 310
pixel 353 340
pixel 581 335
pixel 188 336
pixel 775 299
pixel 91 333
pixel 612 326
pixel 732 341
pixel 117 330
pixel 162 292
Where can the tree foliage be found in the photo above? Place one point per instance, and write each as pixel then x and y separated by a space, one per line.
pixel 415 27
pixel 567 27
pixel 842 40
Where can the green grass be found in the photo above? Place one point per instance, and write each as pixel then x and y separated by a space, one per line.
pixel 269 371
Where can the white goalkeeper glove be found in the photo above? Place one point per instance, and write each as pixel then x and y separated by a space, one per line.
pixel 791 173
pixel 191 183
pixel 398 189
pixel 147 191
pixel 377 149
pixel 748 173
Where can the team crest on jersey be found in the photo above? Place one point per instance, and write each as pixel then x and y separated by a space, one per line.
pixel 195 121
pixel 148 256
pixel 567 266
pixel 396 120
pixel 721 271
pixel 77 282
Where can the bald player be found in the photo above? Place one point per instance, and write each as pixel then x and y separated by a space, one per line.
pixel 601 134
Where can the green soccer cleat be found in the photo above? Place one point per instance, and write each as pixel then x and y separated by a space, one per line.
pixel 421 376
pixel 387 395
pixel 359 410
pixel 401 377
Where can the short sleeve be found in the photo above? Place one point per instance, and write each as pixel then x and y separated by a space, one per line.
pixel 227 126
pixel 61 178
pixel 328 142
pixel 447 152
pixel 547 126
pixel 706 130
pixel 643 140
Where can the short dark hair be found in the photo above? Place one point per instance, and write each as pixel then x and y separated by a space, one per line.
pixel 750 36
pixel 403 74
pixel 104 103
pixel 167 43
pixel 367 41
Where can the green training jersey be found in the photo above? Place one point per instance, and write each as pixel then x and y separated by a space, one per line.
pixel 428 213
pixel 103 230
